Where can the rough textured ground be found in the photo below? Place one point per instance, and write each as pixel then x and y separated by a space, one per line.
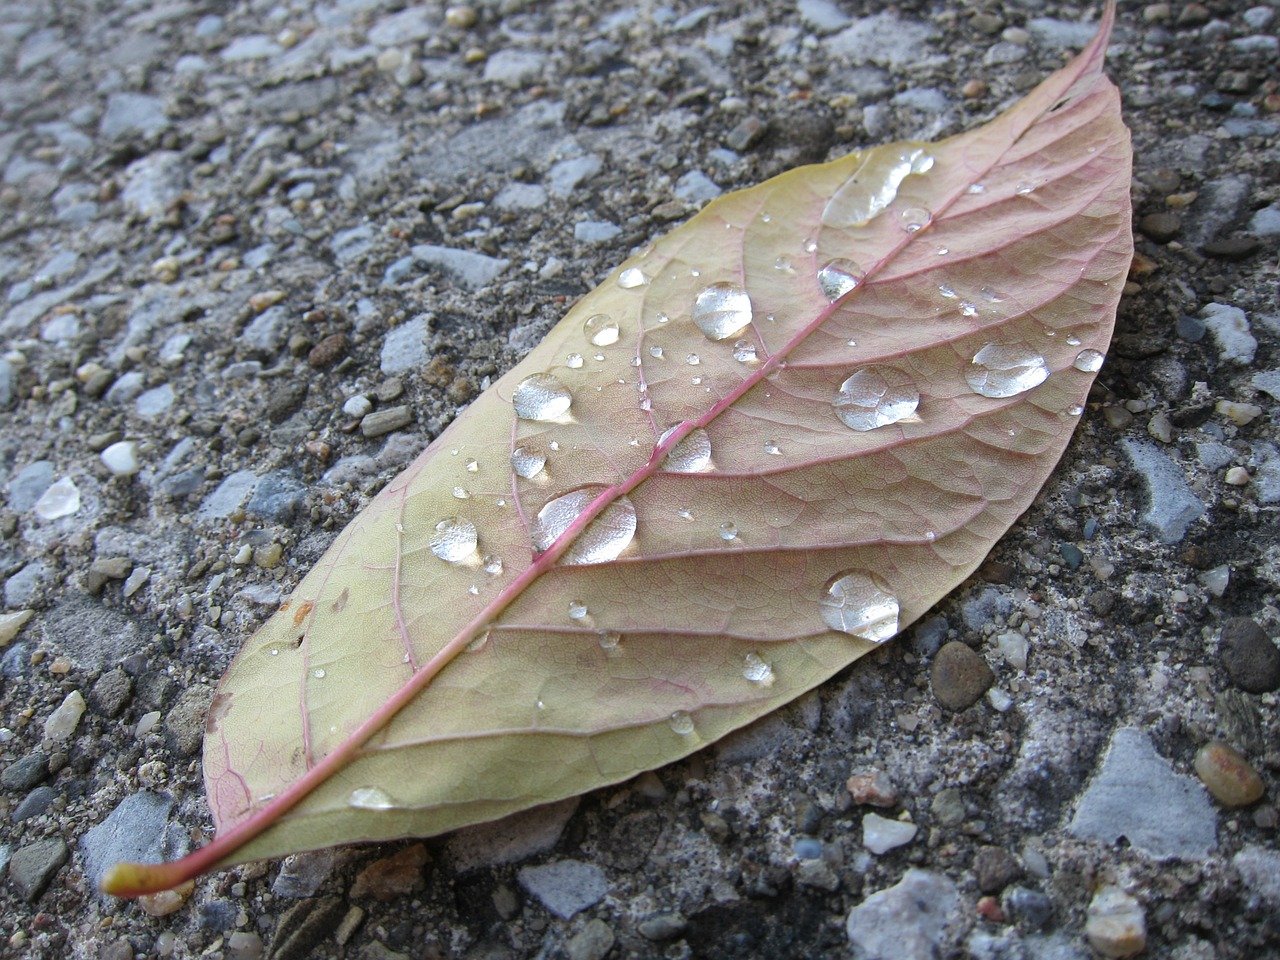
pixel 210 212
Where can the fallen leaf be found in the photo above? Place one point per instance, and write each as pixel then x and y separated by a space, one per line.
pixel 759 449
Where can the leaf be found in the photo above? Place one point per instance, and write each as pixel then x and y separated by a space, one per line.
pixel 759 449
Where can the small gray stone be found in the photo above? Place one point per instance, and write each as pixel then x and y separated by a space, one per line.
pixel 153 184
pixel 29 485
pixel 514 68
pixel 184 724
pixel 1171 506
pixel 33 866
pixel 661 927
pixel 277 497
pixel 21 587
pixel 1259 868
pixel 1136 795
pixel 126 388
pixel 567 174
pixel 253 47
pixel 1251 659
pixel 595 231
pixel 696 187
pixel 1266 222
pixel 347 245
pixel 592 942
pixel 472 270
pixel 565 887
pixel 884 39
pixel 385 421
pixel 521 196
pixel 137 830
pixel 111 692
pixel 6 384
pixel 266 331
pixel 405 347
pixel 822 16
pixel 133 115
pixel 960 676
pixel 995 868
pixel 1030 909
pixel 302 874
pixel 1230 327
pixel 26 772
pixel 412 25
pixel 229 496
pixel 34 803
pixel 155 402
pixel 1060 34
pixel 909 919
pixel 511 839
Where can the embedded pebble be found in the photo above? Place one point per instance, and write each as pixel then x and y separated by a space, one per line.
pixel 995 868
pixel 592 942
pixel 29 485
pixel 1230 328
pixel 565 887
pixel 595 231
pixel 1237 477
pixel 1259 868
pixel 1138 796
pixel 34 804
pixel 880 834
pixel 405 348
pixel 1115 924
pixel 302 874
pixel 31 868
pixel 1030 909
pixel 26 772
pixel 357 406
pixel 1241 414
pixel 873 788
pixel 909 919
pixel 62 723
pixel 1171 506
pixel 390 878
pixel 121 458
pixel 138 830
pixel 661 927
pixel 386 421
pixel 1228 775
pixel 960 676
pixel 1252 659
pixel 11 622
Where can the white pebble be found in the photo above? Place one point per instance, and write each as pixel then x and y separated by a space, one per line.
pixel 1238 477
pixel 63 721
pixel 357 406
pixel 1116 925
pixel 880 834
pixel 1241 414
pixel 147 723
pixel 60 500
pixel 122 458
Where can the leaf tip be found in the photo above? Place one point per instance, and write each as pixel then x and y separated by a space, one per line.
pixel 137 879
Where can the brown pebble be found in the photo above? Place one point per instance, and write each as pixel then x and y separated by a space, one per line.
pixel 385 421
pixel 995 868
pixel 873 788
pixel 1251 659
pixel 1193 15
pixel 1160 227
pixel 989 909
pixel 329 351
pixel 166 901
pixel 259 302
pixel 974 89
pixel 393 876
pixel 1228 775
pixel 960 676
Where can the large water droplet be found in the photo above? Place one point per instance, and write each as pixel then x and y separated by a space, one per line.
pixel 744 351
pixel 541 397
pixel 655 352
pixel 601 330
pixel 528 462
pixel 693 359
pixel 1002 370
pixel 860 604
pixel 681 723
pixel 492 565
pixel 915 219
pixel 722 310
pixel 771 447
pixel 690 455
pixel 573 361
pixel 876 397
pixel 1090 361
pixel 473 466
pixel 577 610
pixel 728 531
pixel 874 185
pixel 757 670
pixel 631 278
pixel 370 798
pixel 603 540
pixel 454 539
pixel 837 277
pixel 947 291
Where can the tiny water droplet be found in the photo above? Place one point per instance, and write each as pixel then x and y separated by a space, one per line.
pixel 492 565
pixel 275 652
pixel 684 513
pixel 947 291
pixel 473 590
pixel 663 318
pixel 461 493
pixel 541 397
pixel 478 643
pixel 553 445
pixel 318 673
pixel 810 245
pixel 1075 410
pixel 851 343
pixel 598 357
pixel 837 277
pixel 577 610
pixel 573 361
pixel 681 723
pixel 473 466
pixel 931 535
pixel 655 352
pixel 646 404
pixel 784 264
pixel 942 251
pixel 601 330
pixel 539 704
pixel 603 539
pixel 861 605
pixel 976 188
pixel 766 217
pixel 1024 188
pixel 609 639
pixel 454 539
pixel 968 309
pixel 722 310
pixel 1073 341
pixel 527 462
pixel 370 798
pixel 1002 370
pixel 695 380
pixel 992 295
pixel 771 447
pixel 915 219
pixel 728 531
pixel 690 455
pixel 744 351
pixel 757 670
pixel 876 397
pixel 1090 361
pixel 631 278
pixel 693 359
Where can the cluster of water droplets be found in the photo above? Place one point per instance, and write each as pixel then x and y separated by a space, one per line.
pixel 860 604
pixel 874 185
pixel 876 397
pixel 605 537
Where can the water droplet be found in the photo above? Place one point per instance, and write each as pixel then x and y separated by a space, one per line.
pixel 690 455
pixel 492 565
pixel 553 445
pixel 876 397
pixel 695 380
pixel 693 359
pixel 744 351
pixel 766 217
pixel 728 531
pixel 655 352
pixel 573 361
pixel 646 404
pixel 771 447
pixel 1002 370
pixel 605 537
pixel 784 264
pixel 915 219
pixel 577 610
pixel 757 670
pixel 837 277
pixel 609 639
pixel 601 330
pixel 663 318
pixel 1073 341
pixel 684 513
pixel 874 185
pixel 318 673
pixel 539 704
pixel 598 357
pixel 275 652
pixel 860 604
pixel 631 278
pixel 473 466
pixel 942 251
pixel 968 309
pixel 992 295
pixel 454 539
pixel 370 798
pixel 541 397
pixel 681 723
pixel 722 310
pixel 1024 188
pixel 528 462
pixel 976 188
pixel 473 590
pixel 851 343
pixel 810 245
pixel 1075 410
pixel 1090 361
pixel 461 493
pixel 947 291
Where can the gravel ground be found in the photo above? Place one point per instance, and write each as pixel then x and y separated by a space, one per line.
pixel 256 255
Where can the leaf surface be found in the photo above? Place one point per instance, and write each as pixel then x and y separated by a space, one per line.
pixel 759 449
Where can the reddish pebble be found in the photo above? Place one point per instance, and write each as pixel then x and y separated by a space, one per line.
pixel 989 909
pixel 328 351
pixel 1228 775
pixel 393 876
pixel 872 788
